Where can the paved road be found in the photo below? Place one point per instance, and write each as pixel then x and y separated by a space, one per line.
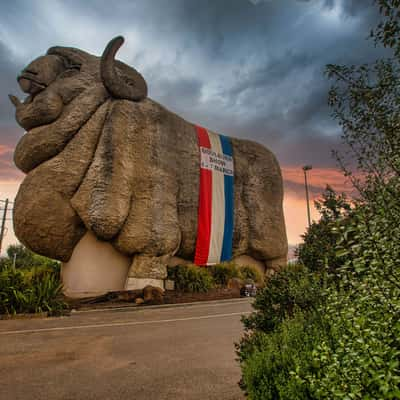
pixel 166 353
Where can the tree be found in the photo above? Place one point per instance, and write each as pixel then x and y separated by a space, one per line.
pixel 318 249
pixel 347 346
pixel 25 258
pixel 366 103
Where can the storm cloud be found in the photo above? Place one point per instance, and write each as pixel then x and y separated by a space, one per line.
pixel 247 68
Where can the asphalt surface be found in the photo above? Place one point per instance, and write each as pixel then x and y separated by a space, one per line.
pixel 159 353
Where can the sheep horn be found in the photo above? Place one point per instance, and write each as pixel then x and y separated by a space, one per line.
pixel 121 80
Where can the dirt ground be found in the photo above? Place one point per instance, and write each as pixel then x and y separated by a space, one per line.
pixel 127 298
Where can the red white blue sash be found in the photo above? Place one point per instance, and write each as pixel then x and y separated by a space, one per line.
pixel 215 213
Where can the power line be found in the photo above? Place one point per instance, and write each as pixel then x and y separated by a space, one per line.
pixel 5 208
pixel 3 222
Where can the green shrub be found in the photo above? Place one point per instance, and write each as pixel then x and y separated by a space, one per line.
pixel 191 278
pixel 281 334
pixel 332 337
pixel 247 272
pixel 12 289
pixel 5 262
pixel 361 359
pixel 348 322
pixel 294 287
pixel 42 271
pixel 26 292
pixel 271 361
pixel 44 294
pixel 221 273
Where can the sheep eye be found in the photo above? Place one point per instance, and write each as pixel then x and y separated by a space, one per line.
pixel 75 67
pixel 68 73
pixel 69 65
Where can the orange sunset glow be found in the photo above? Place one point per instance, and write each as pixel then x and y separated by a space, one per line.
pixel 294 199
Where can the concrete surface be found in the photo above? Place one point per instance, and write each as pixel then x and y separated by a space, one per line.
pixel 160 353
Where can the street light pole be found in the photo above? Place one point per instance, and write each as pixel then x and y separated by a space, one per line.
pixel 305 169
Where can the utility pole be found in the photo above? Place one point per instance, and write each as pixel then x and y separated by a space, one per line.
pixel 3 223
pixel 305 169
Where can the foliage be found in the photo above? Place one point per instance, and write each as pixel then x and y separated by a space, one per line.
pixel 221 273
pixel 388 31
pixel 271 361
pixel 347 344
pixel 364 313
pixel 12 286
pixel 318 248
pixel 29 293
pixel 294 287
pixel 43 271
pixel 191 278
pixel 32 286
pixel 25 258
pixel 5 262
pixel 247 272
pixel 315 337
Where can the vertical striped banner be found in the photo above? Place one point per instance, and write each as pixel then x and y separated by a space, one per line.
pixel 215 213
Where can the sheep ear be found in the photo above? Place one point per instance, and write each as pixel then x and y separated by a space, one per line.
pixel 95 201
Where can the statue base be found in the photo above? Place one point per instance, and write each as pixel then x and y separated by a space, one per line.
pixel 96 268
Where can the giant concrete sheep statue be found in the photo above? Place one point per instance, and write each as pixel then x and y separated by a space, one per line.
pixel 103 158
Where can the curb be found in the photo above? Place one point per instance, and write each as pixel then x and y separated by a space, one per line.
pixel 134 307
pixel 8 317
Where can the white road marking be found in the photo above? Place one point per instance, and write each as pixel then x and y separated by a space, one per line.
pixel 112 324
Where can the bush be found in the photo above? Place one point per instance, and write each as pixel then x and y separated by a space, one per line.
pixel 12 288
pixel 281 334
pixel 294 287
pixel 361 359
pixel 248 272
pixel 191 278
pixel 27 292
pixel 271 362
pixel 43 271
pixel 316 336
pixel 44 294
pixel 5 262
pixel 221 273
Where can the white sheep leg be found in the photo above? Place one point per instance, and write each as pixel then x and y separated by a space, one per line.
pixel 94 268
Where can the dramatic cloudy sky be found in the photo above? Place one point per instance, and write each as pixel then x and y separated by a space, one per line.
pixel 245 68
